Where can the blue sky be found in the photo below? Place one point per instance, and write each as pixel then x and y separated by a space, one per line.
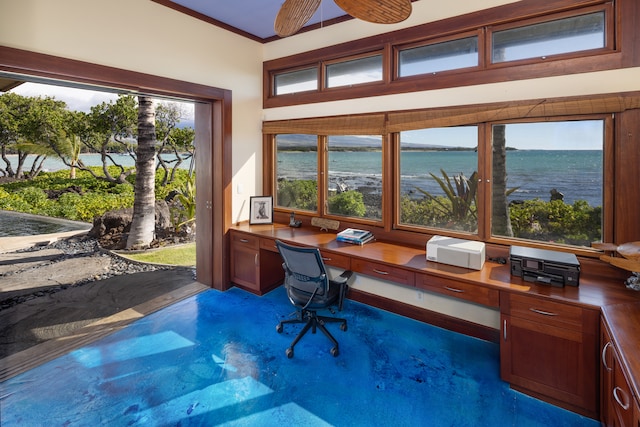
pixel 574 135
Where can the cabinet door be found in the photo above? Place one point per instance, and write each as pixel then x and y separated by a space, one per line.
pixel 244 261
pixel 621 396
pixel 545 353
pixel 607 414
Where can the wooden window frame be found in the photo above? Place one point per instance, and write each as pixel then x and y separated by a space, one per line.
pixel 623 51
pixel 397 49
pixel 621 112
pixel 609 34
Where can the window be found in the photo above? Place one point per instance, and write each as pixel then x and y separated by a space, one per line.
pixel 296 172
pixel 573 34
pixel 433 58
pixel 548 181
pixel 355 71
pixel 355 176
pixel 438 178
pixel 296 81
pixel 477 48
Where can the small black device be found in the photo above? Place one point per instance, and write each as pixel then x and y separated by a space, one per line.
pixel 293 222
pixel 544 266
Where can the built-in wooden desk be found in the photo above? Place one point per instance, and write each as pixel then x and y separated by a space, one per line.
pixel 549 337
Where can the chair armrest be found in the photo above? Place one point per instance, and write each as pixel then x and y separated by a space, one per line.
pixel 343 278
pixel 342 281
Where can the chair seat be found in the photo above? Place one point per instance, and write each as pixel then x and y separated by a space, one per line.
pixel 300 298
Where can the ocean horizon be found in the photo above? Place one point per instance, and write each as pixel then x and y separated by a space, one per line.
pixel 577 174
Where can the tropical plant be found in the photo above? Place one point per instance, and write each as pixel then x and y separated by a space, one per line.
pixel 462 195
pixel 186 196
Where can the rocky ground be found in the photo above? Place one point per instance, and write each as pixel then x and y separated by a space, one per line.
pixel 71 262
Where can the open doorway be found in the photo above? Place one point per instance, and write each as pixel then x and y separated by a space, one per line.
pixel 212 123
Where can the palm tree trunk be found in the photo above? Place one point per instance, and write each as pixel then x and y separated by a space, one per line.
pixel 143 222
pixel 500 221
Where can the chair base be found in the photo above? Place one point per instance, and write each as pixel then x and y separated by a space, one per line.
pixel 313 322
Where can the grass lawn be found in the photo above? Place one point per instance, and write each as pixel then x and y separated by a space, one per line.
pixel 183 255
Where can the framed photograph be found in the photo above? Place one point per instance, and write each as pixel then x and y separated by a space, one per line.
pixel 261 210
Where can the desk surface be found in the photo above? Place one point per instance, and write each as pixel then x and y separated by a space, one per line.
pixel 594 292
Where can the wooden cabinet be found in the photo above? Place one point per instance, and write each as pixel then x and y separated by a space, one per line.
pixel 618 406
pixel 254 265
pixel 549 350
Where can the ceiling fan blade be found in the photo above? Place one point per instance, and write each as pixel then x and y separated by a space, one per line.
pixel 377 11
pixel 293 14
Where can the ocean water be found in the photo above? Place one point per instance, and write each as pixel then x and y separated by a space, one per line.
pixel 52 163
pixel 578 174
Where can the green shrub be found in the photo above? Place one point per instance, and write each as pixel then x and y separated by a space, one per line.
pixel 348 203
pixel 298 194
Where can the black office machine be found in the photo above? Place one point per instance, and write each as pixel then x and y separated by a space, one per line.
pixel 544 266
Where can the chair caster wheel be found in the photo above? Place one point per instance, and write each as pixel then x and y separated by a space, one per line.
pixel 335 352
pixel 289 352
pixel 343 326
pixel 279 328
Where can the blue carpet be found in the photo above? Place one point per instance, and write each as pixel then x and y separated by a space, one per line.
pixel 216 359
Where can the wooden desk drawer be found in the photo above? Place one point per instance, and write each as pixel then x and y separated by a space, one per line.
pixel 268 244
pixel 246 240
pixel 382 271
pixel 475 293
pixel 336 260
pixel 544 311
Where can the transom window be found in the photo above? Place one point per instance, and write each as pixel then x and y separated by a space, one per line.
pixel 572 34
pixel 296 81
pixel 433 58
pixel 354 71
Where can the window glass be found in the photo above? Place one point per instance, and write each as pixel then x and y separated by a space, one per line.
pixel 355 176
pixel 296 81
pixel 297 172
pixel 361 70
pixel 548 181
pixel 438 178
pixel 550 38
pixel 448 55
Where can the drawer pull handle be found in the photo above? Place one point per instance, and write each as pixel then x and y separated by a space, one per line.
pixel 617 390
pixel 244 240
pixel 544 313
pixel 326 259
pixel 604 356
pixel 384 273
pixel 504 329
pixel 458 291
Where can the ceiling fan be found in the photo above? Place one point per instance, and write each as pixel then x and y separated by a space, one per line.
pixel 293 14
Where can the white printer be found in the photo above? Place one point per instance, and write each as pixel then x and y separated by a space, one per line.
pixel 458 252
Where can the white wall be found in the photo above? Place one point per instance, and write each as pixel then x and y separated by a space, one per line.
pixel 114 33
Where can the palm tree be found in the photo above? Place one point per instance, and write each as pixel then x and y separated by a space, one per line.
pixel 143 221
pixel 500 218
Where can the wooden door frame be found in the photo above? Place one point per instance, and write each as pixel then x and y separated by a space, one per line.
pixel 212 267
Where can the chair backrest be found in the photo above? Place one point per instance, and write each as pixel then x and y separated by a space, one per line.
pixel 304 268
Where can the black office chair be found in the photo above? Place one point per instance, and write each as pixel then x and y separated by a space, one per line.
pixel 309 289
